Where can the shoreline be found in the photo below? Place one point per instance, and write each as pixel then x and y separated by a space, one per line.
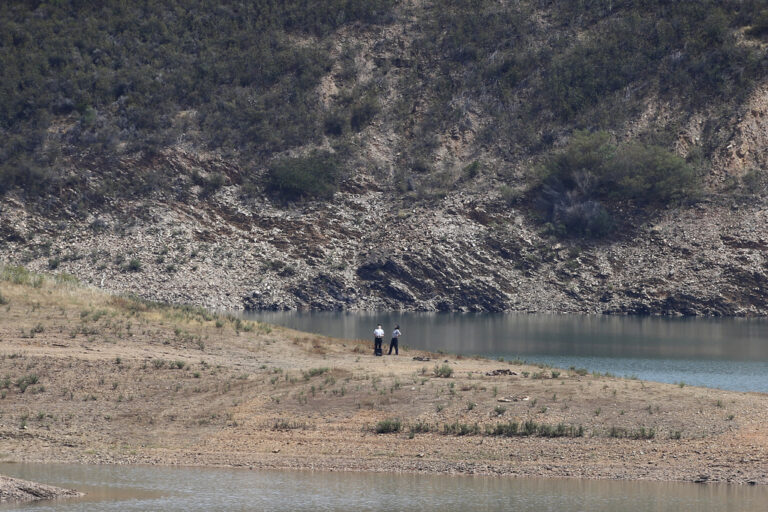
pixel 94 378
pixel 16 490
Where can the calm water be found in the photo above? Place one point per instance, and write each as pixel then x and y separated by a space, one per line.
pixel 140 488
pixel 720 353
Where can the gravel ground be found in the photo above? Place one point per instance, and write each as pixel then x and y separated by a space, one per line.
pixel 88 377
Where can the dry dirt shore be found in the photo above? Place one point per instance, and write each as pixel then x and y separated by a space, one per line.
pixel 93 378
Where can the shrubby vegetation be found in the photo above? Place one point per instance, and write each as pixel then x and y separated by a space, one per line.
pixel 315 175
pixel 578 182
pixel 592 63
pixel 87 85
pixel 137 76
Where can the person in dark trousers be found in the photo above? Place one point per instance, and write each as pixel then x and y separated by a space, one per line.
pixel 393 342
pixel 378 336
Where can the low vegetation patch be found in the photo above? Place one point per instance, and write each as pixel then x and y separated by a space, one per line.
pixel 579 184
pixel 625 433
pixel 531 428
pixel 24 382
pixel 443 371
pixel 388 426
pixel 313 176
pixel 314 372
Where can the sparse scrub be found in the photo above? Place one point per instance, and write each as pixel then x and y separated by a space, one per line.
pixel 388 426
pixel 461 429
pixel 443 371
pixel 420 427
pixel 24 382
pixel 313 176
pixel 283 424
pixel 314 372
pixel 531 428
pixel 639 433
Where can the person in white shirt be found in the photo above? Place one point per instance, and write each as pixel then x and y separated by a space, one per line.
pixel 378 336
pixel 393 342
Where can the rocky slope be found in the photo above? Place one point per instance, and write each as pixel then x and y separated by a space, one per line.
pixel 369 251
pixel 397 236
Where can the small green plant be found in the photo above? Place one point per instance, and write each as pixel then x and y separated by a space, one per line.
pixel 443 371
pixel 471 405
pixel 24 382
pixel 388 426
pixel 420 427
pixel 499 410
pixel 640 433
pixel 461 429
pixel 314 372
pixel 158 363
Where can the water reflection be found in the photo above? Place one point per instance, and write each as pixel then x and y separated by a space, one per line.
pixel 726 353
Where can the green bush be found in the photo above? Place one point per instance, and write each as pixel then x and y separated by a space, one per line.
pixel 443 371
pixel 578 182
pixel 313 176
pixel 388 426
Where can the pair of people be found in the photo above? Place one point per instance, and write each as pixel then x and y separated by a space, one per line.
pixel 378 337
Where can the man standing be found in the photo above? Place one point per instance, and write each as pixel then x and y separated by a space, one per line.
pixel 378 336
pixel 393 342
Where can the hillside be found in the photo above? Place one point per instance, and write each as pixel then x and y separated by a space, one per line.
pixel 604 156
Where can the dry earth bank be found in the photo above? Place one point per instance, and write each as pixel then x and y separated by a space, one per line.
pixel 95 378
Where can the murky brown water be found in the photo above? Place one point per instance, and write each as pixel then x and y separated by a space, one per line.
pixel 134 488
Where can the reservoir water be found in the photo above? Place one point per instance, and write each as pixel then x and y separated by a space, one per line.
pixel 142 488
pixel 720 353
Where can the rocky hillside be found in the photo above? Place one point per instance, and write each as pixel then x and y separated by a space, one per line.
pixel 392 154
